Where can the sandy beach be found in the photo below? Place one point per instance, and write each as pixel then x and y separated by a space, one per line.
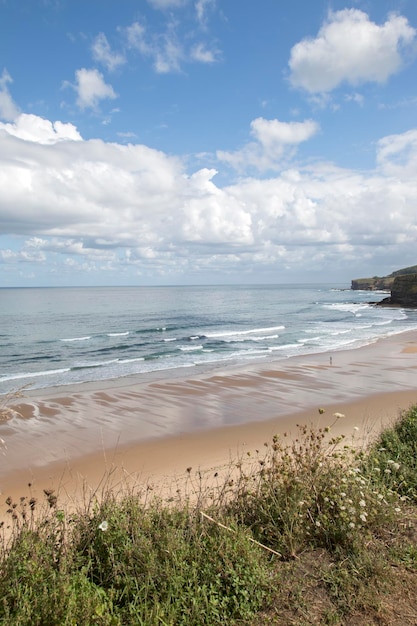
pixel 151 429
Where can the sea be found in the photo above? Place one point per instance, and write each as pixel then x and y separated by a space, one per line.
pixel 61 336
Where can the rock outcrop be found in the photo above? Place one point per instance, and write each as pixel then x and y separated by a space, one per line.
pixel 403 292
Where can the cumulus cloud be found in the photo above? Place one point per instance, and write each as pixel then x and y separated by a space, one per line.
pixel 37 129
pixel 274 140
pixel 103 54
pixel 350 48
pixel 8 109
pixel 91 88
pixel 105 206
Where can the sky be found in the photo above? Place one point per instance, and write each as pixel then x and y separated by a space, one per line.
pixel 164 142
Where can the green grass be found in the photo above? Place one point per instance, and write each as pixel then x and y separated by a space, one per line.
pixel 310 531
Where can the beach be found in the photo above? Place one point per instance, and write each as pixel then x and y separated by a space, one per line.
pixel 151 430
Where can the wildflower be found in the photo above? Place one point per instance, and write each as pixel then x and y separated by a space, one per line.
pixel 363 517
pixel 380 496
pixel 351 524
pixel 318 523
pixel 338 415
pixel 396 466
pixel 362 503
pixel 397 509
pixel 388 471
pixel 104 526
pixel 376 469
pixel 321 411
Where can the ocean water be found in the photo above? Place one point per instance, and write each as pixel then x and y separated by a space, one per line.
pixel 59 336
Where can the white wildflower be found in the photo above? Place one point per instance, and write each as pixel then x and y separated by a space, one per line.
pixel 318 523
pixel 397 509
pixel 351 524
pixel 356 428
pixel 104 526
pixel 338 415
pixel 396 466
pixel 363 517
pixel 362 503
pixel 388 471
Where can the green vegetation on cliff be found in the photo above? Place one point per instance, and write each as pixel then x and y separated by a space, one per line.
pixel 313 531
pixel 381 282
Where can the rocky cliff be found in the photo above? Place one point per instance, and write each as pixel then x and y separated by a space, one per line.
pixel 382 282
pixel 375 283
pixel 403 292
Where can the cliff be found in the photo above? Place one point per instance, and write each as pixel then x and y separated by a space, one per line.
pixel 403 292
pixel 384 282
pixel 375 283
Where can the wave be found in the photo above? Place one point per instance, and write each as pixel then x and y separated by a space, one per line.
pixel 83 366
pixel 347 307
pixel 34 374
pixel 118 334
pixel 251 331
pixel 86 338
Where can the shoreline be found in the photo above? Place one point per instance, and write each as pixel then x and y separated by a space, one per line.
pixel 152 430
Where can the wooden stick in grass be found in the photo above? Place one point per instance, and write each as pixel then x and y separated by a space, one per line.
pixel 261 545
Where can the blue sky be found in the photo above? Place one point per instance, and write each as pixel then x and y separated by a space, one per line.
pixel 206 141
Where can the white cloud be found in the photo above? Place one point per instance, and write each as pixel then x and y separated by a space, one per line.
pixel 98 206
pixel 103 53
pixel 91 88
pixel 271 133
pixel 164 49
pixel 8 109
pixel 274 140
pixel 350 48
pixel 166 4
pixel 136 37
pixel 170 49
pixel 202 54
pixel 397 154
pixel 201 8
pixel 33 128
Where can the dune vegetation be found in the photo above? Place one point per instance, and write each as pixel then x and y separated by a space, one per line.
pixel 311 531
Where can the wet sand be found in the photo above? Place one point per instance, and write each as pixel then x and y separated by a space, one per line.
pixel 151 429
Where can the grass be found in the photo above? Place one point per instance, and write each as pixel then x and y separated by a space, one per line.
pixel 311 531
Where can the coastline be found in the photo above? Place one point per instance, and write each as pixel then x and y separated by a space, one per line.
pixel 151 430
